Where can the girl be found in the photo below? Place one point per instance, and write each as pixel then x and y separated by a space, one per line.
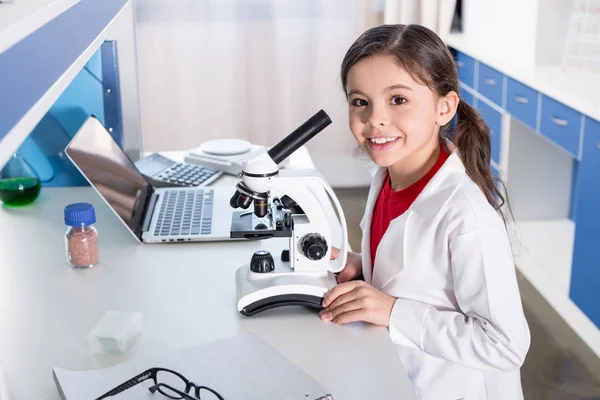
pixel 436 260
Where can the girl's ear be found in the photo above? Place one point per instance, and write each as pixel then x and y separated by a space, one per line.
pixel 446 108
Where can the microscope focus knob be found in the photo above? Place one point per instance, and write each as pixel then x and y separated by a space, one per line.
pixel 313 246
pixel 262 261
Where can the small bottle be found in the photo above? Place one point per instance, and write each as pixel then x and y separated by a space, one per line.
pixel 81 239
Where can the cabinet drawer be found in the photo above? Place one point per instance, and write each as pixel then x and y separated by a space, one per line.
pixel 489 83
pixel 522 102
pixel 466 69
pixel 493 120
pixel 467 97
pixel 561 124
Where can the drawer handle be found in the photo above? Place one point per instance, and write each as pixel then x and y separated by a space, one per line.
pixel 460 64
pixel 560 122
pixel 491 82
pixel 521 99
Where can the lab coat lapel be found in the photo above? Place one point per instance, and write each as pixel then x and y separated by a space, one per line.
pixel 412 223
pixel 365 223
pixel 440 188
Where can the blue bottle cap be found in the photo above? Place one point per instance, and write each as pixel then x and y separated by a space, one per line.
pixel 79 214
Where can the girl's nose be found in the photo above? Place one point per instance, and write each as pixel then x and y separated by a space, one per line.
pixel 378 119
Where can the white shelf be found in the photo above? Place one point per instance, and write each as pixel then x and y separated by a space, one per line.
pixel 21 17
pixel 545 259
pixel 574 88
pixel 548 243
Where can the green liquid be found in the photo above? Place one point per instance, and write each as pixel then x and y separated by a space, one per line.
pixel 19 191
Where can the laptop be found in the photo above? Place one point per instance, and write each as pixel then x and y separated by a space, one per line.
pixel 151 214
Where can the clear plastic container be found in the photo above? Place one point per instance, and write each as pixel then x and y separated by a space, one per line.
pixel 81 238
pixel 115 332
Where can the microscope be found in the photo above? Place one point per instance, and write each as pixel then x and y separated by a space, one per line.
pixel 288 204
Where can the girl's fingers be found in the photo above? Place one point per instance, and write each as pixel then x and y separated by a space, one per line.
pixel 346 275
pixel 345 298
pixel 335 253
pixel 339 290
pixel 352 305
pixel 351 316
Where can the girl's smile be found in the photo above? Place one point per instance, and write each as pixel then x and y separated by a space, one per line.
pixel 382 143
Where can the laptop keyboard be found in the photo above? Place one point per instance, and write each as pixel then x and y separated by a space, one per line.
pixel 185 212
pixel 187 174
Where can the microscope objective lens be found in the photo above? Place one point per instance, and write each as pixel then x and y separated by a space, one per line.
pixel 244 201
pixel 260 208
pixel 234 200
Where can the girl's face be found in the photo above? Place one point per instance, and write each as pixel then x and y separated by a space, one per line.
pixel 391 115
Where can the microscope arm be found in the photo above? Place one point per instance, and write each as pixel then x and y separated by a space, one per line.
pixel 301 186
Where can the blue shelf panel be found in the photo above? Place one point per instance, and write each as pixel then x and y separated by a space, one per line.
pixel 30 68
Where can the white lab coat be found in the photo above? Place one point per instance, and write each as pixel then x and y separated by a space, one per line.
pixel 458 324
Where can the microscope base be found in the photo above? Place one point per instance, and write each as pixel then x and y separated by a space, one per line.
pixel 260 292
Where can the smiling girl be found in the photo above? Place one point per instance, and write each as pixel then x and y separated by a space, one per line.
pixel 436 263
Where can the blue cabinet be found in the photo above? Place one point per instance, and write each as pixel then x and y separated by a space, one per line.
pixel 522 102
pixel 466 69
pixel 493 120
pixel 562 125
pixel 467 97
pixel 495 172
pixel 585 273
pixel 489 83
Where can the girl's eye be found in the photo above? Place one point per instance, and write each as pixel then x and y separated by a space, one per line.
pixel 359 102
pixel 397 100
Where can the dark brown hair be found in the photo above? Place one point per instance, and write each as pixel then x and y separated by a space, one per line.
pixel 421 53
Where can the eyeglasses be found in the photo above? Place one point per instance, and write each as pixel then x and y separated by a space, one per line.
pixel 169 383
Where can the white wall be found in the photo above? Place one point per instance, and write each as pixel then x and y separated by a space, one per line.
pixel 552 31
pixel 252 69
pixel 526 32
pixel 504 24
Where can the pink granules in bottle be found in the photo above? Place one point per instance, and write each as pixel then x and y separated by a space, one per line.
pixel 81 239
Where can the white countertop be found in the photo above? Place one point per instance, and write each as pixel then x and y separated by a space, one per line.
pixel 186 293
pixel 577 89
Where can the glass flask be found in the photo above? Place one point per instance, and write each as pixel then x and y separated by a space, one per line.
pixel 19 183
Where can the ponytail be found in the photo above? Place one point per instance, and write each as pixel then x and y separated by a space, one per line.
pixel 472 139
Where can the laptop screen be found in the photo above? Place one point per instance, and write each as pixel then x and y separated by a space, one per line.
pixel 108 169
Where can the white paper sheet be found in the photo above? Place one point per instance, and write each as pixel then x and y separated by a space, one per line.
pixel 239 368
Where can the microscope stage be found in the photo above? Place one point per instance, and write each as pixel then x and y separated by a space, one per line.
pixel 245 225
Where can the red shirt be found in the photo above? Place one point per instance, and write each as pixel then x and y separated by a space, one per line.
pixel 391 204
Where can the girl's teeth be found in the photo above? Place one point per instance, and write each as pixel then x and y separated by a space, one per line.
pixel 382 140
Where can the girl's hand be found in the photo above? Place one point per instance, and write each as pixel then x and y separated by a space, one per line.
pixel 353 268
pixel 357 301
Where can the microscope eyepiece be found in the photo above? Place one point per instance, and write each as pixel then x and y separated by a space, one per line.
pixel 299 137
